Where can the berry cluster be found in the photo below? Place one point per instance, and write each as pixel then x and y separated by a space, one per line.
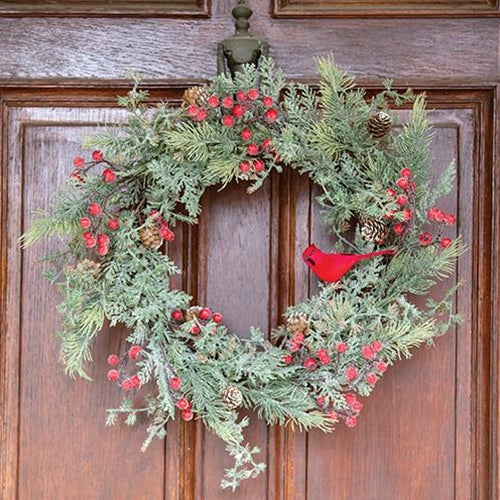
pixel 442 219
pixel 119 374
pixel 199 317
pixel 97 221
pixel 404 195
pixel 373 366
pixel 181 401
pixel 251 115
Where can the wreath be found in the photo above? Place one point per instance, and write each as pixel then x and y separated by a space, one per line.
pixel 121 207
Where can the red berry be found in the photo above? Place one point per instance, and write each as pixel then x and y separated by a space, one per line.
pixel 86 235
pixel 287 359
pixel 134 351
pixel 175 383
pixel 399 228
pixel 294 346
pixel 298 337
pixel 341 347
pixel 102 239
pixel 371 378
pixel 228 121
pixel 238 111
pixel 227 102
pixel 252 149
pixel 258 165
pixel 440 216
pixel 97 155
pixel 351 373
pixel 267 101
pixel 85 222
pixel 350 398
pixel 406 172
pixel 446 242
pixel 390 192
pixel 411 186
pixel 240 95
pixel 402 183
pixel 135 381
pixel 271 115
pixel 78 162
pixel 167 234
pixel 246 134
pixel 450 219
pixel 253 94
pixel 368 352
pixel 201 115
pixel 213 101
pixel 187 415
pixel 407 214
pixel 217 317
pixel 432 212
pixel 192 111
pixel 90 242
pixel 377 345
pixel 195 329
pixel 113 375
pixel 177 315
pixel 351 422
pixel 245 166
pixel 310 364
pixel 95 209
pixel 113 224
pixel 425 239
pixel 102 250
pixel 266 144
pixel 356 405
pixel 402 200
pixel 183 404
pixel 205 314
pixel 380 366
pixel 113 360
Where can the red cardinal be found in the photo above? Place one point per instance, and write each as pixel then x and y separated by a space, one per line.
pixel 332 266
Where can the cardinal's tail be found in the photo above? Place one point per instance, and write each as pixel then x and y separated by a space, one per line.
pixel 387 251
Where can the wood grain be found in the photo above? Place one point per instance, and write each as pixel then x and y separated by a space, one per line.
pixel 427 432
pixel 388 8
pixel 113 8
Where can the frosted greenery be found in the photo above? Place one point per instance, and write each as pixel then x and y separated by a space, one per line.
pixel 164 158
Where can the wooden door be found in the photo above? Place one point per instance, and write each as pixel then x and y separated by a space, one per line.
pixel 429 431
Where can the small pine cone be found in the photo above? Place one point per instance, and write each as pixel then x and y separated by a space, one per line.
pixel 374 231
pixel 379 124
pixel 395 310
pixel 195 96
pixel 150 236
pixel 192 313
pixel 297 323
pixel 232 397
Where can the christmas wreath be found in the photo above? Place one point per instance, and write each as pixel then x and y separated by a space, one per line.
pixel 121 207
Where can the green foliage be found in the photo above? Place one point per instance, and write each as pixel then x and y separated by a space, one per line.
pixel 164 159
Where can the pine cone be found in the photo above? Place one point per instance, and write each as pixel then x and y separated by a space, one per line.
pixel 232 397
pixel 374 231
pixel 379 124
pixel 297 323
pixel 150 236
pixel 195 96
pixel 192 313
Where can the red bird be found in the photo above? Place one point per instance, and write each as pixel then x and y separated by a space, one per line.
pixel 332 266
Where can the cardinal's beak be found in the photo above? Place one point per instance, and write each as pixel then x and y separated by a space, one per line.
pixel 309 250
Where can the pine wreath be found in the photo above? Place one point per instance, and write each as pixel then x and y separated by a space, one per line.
pixel 120 206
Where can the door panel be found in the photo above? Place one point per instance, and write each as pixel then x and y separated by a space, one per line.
pixel 427 432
